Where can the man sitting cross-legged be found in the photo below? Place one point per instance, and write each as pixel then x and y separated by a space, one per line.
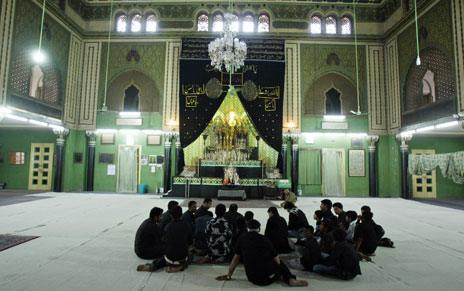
pixel 277 231
pixel 311 252
pixel 343 261
pixel 262 264
pixel 148 239
pixel 218 236
pixel 177 237
pixel 296 221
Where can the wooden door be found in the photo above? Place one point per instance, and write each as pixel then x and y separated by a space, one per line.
pixel 424 186
pixel 41 166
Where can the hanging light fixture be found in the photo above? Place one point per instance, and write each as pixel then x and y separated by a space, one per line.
pixel 228 52
pixel 38 56
pixel 418 60
pixel 358 112
pixel 110 28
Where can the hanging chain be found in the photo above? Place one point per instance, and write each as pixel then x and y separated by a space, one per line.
pixel 110 28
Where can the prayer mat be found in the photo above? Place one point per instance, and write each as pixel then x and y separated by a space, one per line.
pixel 8 241
pixel 241 204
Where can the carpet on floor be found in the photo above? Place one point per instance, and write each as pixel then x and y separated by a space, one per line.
pixel 8 241
pixel 241 204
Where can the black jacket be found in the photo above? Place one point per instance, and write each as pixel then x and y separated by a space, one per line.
pixel 297 219
pixel 148 240
pixel 345 258
pixel 277 232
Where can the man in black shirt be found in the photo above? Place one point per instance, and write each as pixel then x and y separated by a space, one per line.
pixel 177 237
pixel 262 264
pixel 311 252
pixel 203 209
pixel 296 221
pixel 343 261
pixel 148 239
pixel 167 217
pixel 326 208
pixel 338 209
pixel 232 216
pixel 189 215
pixel 277 231
pixel 365 237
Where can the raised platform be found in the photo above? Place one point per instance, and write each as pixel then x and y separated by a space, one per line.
pixel 209 187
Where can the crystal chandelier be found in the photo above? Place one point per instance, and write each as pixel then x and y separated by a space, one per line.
pixel 227 52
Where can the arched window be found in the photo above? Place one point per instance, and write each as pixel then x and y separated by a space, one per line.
pixel 136 23
pixel 332 102
pixel 316 25
pixel 330 25
pixel 121 23
pixel 235 25
pixel 345 24
pixel 202 23
pixel 428 88
pixel 218 23
pixel 151 25
pixel 248 24
pixel 263 23
pixel 131 99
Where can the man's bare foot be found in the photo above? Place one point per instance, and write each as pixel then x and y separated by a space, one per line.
pixel 171 269
pixel 297 283
pixel 145 268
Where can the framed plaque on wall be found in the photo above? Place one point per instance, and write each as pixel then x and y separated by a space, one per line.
pixel 356 163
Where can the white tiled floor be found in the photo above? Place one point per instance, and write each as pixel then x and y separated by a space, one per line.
pixel 86 243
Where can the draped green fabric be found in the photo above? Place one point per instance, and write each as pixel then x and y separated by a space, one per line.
pixel 309 167
pixel 450 164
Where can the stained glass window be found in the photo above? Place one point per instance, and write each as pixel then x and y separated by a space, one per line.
pixel 248 23
pixel 345 23
pixel 263 23
pixel 330 25
pixel 151 24
pixel 218 22
pixel 316 25
pixel 203 23
pixel 136 23
pixel 121 23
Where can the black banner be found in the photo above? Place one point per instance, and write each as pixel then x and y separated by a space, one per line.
pixel 259 84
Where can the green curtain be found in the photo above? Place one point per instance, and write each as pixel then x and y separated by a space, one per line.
pixel 309 167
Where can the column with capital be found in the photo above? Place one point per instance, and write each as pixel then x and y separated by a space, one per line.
pixel 404 150
pixel 373 182
pixel 59 152
pixel 91 143
pixel 295 161
pixel 167 163
pixel 283 155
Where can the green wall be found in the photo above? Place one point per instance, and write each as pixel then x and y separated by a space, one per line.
pixel 152 63
pixel 151 121
pixel 439 27
pixel 55 42
pixel 74 173
pixel 389 166
pixel 446 188
pixel 354 186
pixel 313 58
pixel 19 140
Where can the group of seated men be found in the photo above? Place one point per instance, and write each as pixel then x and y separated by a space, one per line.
pixel 334 247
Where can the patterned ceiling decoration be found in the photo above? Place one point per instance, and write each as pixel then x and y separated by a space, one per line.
pixel 369 10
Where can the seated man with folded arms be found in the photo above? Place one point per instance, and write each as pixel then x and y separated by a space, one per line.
pixel 262 264
pixel 365 238
pixel 177 237
pixel 311 252
pixel 277 231
pixel 148 239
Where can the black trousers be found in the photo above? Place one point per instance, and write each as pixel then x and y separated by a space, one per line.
pixel 150 253
pixel 281 272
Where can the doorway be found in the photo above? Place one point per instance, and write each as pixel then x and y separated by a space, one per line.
pixel 41 166
pixel 128 168
pixel 424 186
pixel 333 172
